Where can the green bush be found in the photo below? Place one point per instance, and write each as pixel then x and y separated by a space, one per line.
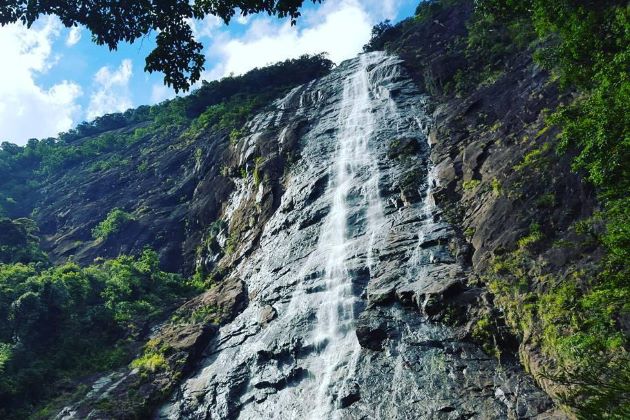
pixel 115 220
pixel 68 322
pixel 535 235
pixel 497 190
pixel 19 241
pixel 153 358
pixel 471 184
pixel 258 162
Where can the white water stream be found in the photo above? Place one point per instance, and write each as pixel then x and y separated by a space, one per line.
pixel 355 173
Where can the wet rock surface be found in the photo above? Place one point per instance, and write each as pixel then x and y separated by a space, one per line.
pixel 348 272
pixel 489 188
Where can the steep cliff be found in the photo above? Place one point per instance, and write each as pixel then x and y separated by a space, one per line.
pixel 334 268
pixel 506 181
pixel 392 238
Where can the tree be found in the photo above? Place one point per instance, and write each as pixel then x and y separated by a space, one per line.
pixel 177 53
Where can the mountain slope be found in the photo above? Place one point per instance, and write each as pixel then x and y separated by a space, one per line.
pixel 396 237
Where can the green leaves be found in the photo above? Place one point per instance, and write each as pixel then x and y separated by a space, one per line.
pixel 70 321
pixel 116 219
pixel 586 44
pixel 5 355
pixel 178 56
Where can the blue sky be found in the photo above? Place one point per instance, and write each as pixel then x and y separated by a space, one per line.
pixel 54 77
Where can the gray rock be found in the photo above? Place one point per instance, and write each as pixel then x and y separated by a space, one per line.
pixel 344 274
pixel 267 314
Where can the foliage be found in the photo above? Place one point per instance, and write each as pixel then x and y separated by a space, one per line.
pixel 534 236
pixel 483 331
pixel 546 200
pixel 152 359
pixel 115 220
pixel 382 33
pixel 471 184
pixel 497 189
pixel 270 80
pixel 24 169
pixel 588 47
pixel 115 161
pixel 597 125
pixel 258 163
pixel 469 232
pixel 205 314
pixel 105 123
pixel 232 242
pixel 19 242
pixel 428 9
pixel 229 116
pixel 573 319
pixel 227 104
pixel 234 136
pixel 67 321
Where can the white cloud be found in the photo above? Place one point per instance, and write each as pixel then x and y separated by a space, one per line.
pixel 205 28
pixel 27 109
pixel 243 20
pixel 160 93
pixel 383 9
pixel 111 90
pixel 74 36
pixel 339 28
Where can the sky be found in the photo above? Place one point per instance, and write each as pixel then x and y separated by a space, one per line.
pixel 52 77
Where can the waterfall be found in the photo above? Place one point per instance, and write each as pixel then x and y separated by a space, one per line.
pixel 354 173
pixel 354 239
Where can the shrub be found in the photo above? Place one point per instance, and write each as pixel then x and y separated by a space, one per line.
pixel 483 331
pixel 496 187
pixel 115 220
pixel 535 235
pixel 150 362
pixel 535 159
pixel 234 136
pixel 471 184
pixel 258 162
pixel 546 200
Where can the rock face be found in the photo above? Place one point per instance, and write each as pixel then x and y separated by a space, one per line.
pixel 345 262
pixel 171 186
pixel 497 171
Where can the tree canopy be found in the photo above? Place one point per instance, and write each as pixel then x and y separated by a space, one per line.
pixel 177 54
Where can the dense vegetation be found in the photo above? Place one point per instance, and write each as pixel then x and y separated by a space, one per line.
pixel 60 323
pixel 586 45
pixel 579 319
pixel 19 242
pixel 116 219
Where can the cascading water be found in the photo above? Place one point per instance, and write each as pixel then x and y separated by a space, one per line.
pixel 353 242
pixel 354 183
